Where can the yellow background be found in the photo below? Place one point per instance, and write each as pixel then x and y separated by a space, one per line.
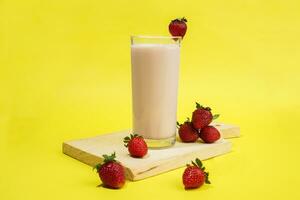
pixel 65 74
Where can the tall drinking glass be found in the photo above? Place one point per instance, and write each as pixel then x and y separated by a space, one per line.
pixel 155 68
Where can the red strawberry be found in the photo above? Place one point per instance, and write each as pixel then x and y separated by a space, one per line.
pixel 111 172
pixel 177 27
pixel 194 175
pixel 186 132
pixel 202 116
pixel 136 145
pixel 209 134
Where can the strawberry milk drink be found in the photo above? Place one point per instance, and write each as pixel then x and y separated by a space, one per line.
pixel 155 69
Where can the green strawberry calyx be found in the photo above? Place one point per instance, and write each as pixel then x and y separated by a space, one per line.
pixel 199 106
pixel 199 164
pixel 130 137
pixel 183 19
pixel 188 120
pixel 107 159
pixel 215 116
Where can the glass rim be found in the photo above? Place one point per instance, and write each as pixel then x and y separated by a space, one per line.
pixel 155 37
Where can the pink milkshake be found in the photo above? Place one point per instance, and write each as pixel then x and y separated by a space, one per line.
pixel 155 69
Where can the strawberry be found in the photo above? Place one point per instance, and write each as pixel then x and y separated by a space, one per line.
pixel 111 172
pixel 202 116
pixel 194 175
pixel 136 145
pixel 177 27
pixel 209 134
pixel 186 131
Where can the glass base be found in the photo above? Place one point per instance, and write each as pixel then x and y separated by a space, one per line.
pixel 160 143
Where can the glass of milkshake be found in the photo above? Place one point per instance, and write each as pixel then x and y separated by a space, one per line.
pixel 155 68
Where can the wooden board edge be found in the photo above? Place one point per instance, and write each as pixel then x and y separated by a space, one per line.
pixel 80 155
pixel 232 131
pixel 88 158
pixel 172 164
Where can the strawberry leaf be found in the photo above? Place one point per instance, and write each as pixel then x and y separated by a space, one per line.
pixel 110 158
pixel 198 105
pixel 97 167
pixel 107 158
pixel 187 119
pixel 216 116
pixel 207 108
pixel 194 163
pixel 126 140
pixel 199 163
pixel 206 178
pixel 207 181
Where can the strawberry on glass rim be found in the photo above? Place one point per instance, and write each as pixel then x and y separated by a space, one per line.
pixel 178 27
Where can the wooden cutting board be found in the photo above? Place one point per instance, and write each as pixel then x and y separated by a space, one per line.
pixel 90 151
